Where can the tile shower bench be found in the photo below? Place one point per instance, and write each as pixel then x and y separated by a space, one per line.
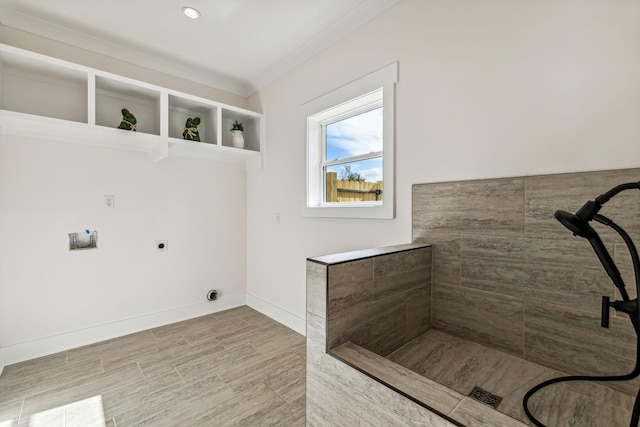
pixel 361 306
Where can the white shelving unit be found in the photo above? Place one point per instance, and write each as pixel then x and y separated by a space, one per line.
pixel 42 96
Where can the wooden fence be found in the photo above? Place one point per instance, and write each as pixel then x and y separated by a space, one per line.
pixel 351 191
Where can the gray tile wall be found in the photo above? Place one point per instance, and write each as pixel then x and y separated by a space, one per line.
pixel 379 303
pixel 507 274
pixel 337 394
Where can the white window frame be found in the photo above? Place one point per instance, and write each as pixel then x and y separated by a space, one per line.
pixel 353 112
pixel 377 87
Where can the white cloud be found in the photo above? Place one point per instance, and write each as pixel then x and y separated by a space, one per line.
pixel 357 135
pixel 371 174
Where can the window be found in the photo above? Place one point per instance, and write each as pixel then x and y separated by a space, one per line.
pixel 352 160
pixel 350 147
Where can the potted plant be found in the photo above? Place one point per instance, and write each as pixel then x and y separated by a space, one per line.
pixel 237 138
pixel 191 129
pixel 128 121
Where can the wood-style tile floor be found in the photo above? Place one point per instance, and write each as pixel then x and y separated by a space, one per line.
pixel 460 365
pixel 232 368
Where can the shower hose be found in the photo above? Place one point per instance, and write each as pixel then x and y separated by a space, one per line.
pixel 633 316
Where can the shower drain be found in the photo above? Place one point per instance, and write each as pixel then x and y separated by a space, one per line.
pixel 485 397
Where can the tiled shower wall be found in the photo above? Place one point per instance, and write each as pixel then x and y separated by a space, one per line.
pixel 337 394
pixel 379 301
pixel 507 274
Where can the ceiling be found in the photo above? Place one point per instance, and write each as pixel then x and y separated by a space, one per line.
pixel 236 45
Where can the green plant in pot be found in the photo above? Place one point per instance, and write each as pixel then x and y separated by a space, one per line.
pixel 237 138
pixel 237 126
pixel 128 121
pixel 191 129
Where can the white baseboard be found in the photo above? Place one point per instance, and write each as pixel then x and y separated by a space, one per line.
pixel 278 314
pixel 53 344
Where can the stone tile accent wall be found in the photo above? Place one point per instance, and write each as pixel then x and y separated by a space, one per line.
pixel 379 302
pixel 339 395
pixel 507 274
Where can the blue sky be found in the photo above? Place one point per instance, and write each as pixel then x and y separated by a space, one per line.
pixel 361 134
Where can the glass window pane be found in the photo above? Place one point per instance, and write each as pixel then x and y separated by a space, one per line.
pixel 351 182
pixel 361 134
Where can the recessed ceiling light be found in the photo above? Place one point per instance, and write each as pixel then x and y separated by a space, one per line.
pixel 191 12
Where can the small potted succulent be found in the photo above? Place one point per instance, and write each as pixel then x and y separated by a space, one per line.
pixel 128 121
pixel 191 132
pixel 237 138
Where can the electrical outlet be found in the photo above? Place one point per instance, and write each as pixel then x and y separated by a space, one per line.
pixel 110 202
pixel 162 245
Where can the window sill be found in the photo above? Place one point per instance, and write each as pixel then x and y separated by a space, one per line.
pixel 351 210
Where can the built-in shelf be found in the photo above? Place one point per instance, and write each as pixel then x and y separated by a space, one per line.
pixel 251 128
pixel 41 88
pixel 181 109
pixel 42 96
pixel 114 95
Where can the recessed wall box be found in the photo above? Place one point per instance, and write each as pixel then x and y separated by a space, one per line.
pixel 83 240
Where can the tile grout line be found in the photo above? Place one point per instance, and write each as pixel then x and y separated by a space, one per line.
pixel 21 410
pixel 284 401
pixel 181 378
pixel 216 340
pixel 456 406
pixel 524 331
pixel 185 338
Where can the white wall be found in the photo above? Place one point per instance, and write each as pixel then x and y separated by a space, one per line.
pixel 488 88
pixel 51 298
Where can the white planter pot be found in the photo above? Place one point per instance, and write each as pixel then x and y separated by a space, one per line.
pixel 237 139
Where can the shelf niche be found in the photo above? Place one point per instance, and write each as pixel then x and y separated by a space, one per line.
pixel 112 96
pixel 251 129
pixel 42 89
pixel 180 109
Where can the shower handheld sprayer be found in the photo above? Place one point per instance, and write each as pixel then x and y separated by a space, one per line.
pixel 579 225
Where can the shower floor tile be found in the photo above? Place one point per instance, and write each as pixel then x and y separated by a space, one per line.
pixel 462 365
